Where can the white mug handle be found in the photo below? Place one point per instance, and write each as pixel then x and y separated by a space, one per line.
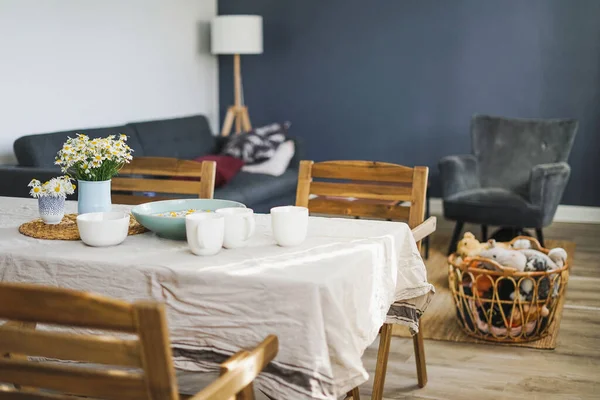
pixel 250 226
pixel 199 240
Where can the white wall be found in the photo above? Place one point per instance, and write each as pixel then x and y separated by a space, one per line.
pixel 69 64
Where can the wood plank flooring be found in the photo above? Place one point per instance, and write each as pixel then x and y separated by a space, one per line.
pixel 461 370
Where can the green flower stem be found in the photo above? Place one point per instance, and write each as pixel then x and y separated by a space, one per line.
pixel 105 172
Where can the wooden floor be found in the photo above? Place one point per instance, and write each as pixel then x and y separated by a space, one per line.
pixel 469 371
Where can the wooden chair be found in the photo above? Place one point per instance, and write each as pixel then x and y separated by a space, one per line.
pixel 371 190
pixel 149 372
pixel 203 185
pixel 239 371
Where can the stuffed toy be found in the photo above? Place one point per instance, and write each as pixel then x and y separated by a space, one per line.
pixel 494 317
pixel 559 256
pixel 529 314
pixel 538 261
pixel 528 260
pixel 469 246
pixel 506 257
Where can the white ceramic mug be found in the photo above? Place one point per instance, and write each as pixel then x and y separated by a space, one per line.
pixel 290 224
pixel 239 226
pixel 205 232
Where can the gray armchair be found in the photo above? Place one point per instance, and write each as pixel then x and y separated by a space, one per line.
pixel 515 177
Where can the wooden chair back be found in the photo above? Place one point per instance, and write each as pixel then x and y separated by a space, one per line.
pixel 366 189
pixel 202 182
pixel 150 374
pixel 237 373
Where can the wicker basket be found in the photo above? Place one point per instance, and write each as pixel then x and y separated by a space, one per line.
pixel 481 290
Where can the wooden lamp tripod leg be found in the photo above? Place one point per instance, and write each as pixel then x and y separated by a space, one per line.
pixel 237 113
pixel 246 119
pixel 237 87
pixel 228 122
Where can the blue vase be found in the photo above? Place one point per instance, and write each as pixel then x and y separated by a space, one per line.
pixel 93 197
pixel 52 209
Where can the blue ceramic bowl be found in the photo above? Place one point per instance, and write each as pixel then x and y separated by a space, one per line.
pixel 174 227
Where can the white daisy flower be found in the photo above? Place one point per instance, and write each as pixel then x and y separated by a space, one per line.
pixel 35 192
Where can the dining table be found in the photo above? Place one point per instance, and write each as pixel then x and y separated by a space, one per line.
pixel 325 299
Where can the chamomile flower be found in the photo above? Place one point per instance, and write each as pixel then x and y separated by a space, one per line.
pixel 35 191
pixel 93 159
pixel 56 187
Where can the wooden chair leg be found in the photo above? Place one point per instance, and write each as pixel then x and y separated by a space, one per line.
pixel 455 237
pixel 420 358
pixel 354 394
pixel 385 338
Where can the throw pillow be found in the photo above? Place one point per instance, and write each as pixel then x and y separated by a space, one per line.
pixel 227 167
pixel 277 164
pixel 257 145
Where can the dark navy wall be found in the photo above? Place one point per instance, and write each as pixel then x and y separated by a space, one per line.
pixel 398 81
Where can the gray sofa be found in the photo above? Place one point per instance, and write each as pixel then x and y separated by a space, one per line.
pixel 184 138
pixel 515 177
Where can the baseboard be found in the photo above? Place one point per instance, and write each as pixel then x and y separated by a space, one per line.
pixel 575 214
pixel 578 214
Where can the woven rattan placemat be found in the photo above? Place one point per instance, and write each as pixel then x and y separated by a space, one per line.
pixel 66 229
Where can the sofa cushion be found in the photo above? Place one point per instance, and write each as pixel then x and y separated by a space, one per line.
pixel 184 138
pixel 249 188
pixel 277 164
pixel 257 145
pixel 492 206
pixel 227 167
pixel 40 150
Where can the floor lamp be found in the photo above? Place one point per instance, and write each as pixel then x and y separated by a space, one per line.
pixel 237 34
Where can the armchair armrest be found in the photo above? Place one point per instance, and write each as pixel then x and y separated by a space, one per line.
pixel 458 173
pixel 14 179
pixel 547 182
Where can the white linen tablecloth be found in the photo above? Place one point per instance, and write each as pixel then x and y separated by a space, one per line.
pixel 325 299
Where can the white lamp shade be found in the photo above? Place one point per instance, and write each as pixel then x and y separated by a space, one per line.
pixel 237 34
